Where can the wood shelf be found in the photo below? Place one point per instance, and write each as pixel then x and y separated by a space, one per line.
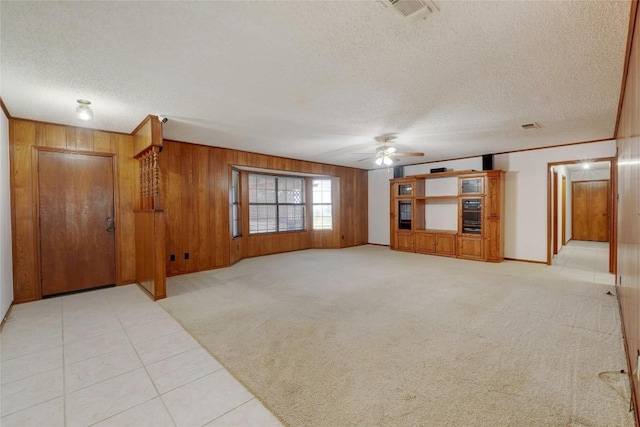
pixel 427 230
pixel 433 205
pixel 443 174
pixel 437 197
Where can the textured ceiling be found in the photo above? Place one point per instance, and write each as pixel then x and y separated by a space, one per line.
pixel 319 80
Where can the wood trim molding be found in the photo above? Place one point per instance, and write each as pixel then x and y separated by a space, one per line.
pixel 627 57
pixel 613 224
pixel 546 147
pixel 526 260
pixel 69 126
pixel 5 109
pixel 141 124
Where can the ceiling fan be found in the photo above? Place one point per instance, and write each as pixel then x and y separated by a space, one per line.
pixel 386 155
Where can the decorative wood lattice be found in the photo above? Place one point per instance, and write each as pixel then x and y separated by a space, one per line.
pixel 149 179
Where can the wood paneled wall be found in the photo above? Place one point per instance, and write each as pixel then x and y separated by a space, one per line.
pixel 195 182
pixel 628 139
pixel 150 272
pixel 24 135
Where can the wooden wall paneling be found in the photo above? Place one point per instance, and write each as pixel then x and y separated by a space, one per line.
pixel 159 256
pixel 628 179
pixel 84 139
pixel 171 155
pixel 336 201
pixel 70 142
pixel 126 188
pixel 102 142
pixel 144 249
pixel 22 135
pixel 55 136
pixel 347 190
pixel 201 241
pixel 188 227
pixel 220 220
pixel 214 179
pixel 150 251
pixel 40 137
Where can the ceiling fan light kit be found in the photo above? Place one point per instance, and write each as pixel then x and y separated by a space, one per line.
pixel 386 155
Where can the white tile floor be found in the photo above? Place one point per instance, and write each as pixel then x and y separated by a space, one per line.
pixel 588 261
pixel 113 357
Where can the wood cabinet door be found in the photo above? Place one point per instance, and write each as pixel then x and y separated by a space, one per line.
pixel 492 200
pixel 470 247
pixel 425 243
pixel 77 221
pixel 493 242
pixel 446 244
pixel 404 242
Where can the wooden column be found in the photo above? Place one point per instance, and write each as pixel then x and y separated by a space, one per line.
pixel 149 217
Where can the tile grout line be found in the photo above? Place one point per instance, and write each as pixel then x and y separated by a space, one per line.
pixel 231 410
pixel 145 369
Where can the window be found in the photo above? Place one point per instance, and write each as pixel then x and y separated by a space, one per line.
pixel 322 217
pixel 276 203
pixel 234 203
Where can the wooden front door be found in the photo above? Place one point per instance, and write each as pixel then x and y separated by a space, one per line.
pixel 590 210
pixel 76 212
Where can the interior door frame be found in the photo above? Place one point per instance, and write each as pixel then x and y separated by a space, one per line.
pixel 613 214
pixel 608 192
pixel 564 210
pixel 554 198
pixel 35 153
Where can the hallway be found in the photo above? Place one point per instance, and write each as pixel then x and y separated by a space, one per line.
pixel 583 260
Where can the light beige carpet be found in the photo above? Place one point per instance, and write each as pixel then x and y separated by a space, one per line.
pixel 367 336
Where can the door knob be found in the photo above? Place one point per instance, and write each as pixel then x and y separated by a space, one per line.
pixel 111 225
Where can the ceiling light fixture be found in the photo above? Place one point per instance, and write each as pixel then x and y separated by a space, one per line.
pixel 384 155
pixel 586 166
pixel 384 159
pixel 83 111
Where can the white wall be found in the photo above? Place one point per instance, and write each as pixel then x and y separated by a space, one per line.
pixel 590 175
pixel 525 194
pixel 379 206
pixel 6 260
pixel 472 163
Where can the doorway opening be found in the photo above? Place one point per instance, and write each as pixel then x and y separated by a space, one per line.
pixel 581 222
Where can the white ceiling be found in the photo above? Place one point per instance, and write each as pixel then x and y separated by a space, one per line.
pixel 319 80
pixel 592 166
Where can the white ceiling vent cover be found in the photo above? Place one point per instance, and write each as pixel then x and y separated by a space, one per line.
pixel 413 9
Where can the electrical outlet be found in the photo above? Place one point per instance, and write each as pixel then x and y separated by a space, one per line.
pixel 186 255
pixel 172 257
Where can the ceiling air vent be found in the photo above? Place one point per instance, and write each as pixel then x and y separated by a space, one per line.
pixel 533 125
pixel 413 9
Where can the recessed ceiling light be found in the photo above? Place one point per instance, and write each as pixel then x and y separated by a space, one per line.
pixel 83 111
pixel 533 125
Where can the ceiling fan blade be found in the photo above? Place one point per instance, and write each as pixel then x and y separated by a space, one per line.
pixel 366 158
pixel 408 154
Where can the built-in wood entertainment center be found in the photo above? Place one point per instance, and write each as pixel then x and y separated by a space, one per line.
pixel 458 214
